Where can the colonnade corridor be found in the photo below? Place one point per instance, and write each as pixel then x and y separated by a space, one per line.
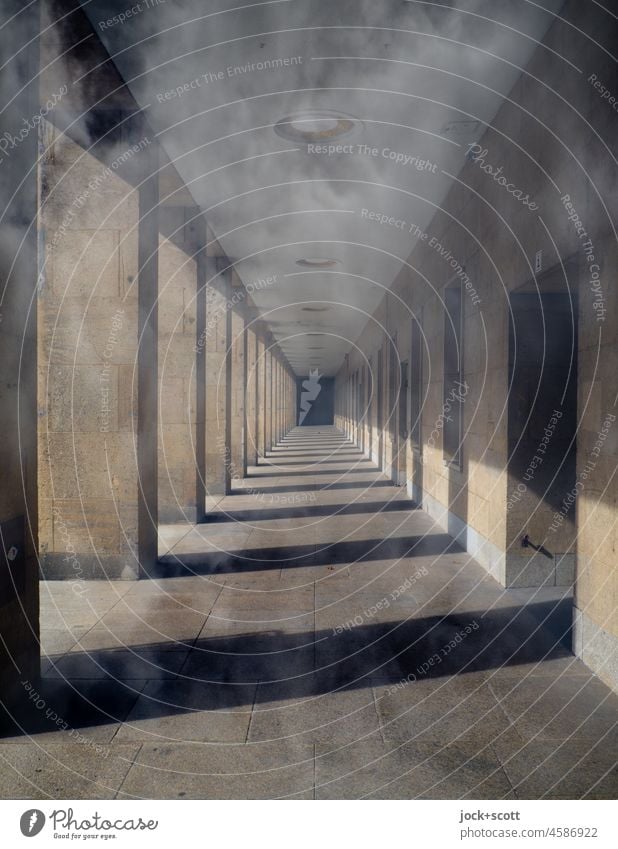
pixel 308 417
pixel 317 636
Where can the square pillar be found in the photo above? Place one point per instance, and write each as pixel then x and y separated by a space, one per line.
pixel 217 332
pixel 261 394
pixel 19 579
pixel 251 398
pixel 201 268
pixel 147 361
pixel 181 497
pixel 277 400
pixel 268 399
pixel 97 339
pixel 237 386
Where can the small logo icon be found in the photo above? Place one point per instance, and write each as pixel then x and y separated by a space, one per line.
pixel 311 390
pixel 32 822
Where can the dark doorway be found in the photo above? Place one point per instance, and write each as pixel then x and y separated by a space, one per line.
pixel 416 384
pixel 542 411
pixel 315 400
pixel 452 429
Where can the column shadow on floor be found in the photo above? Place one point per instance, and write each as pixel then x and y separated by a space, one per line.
pixel 343 472
pixel 318 462
pixel 319 487
pixel 220 673
pixel 307 511
pixel 299 556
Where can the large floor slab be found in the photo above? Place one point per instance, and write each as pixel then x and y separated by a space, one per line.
pixel 318 636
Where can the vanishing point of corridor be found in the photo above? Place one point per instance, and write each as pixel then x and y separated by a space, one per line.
pixel 318 636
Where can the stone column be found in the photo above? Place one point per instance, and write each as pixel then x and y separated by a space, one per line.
pixel 201 261
pixel 277 403
pixel 255 451
pixel 268 397
pixel 98 357
pixel 286 403
pixel 180 488
pixel 274 403
pixel 225 423
pixel 291 406
pixel 19 579
pixel 280 405
pixel 251 400
pixel 288 423
pixel 218 364
pixel 237 376
pixel 261 393
pixel 147 359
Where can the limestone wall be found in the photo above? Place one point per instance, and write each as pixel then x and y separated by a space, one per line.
pixel 86 362
pixel 19 592
pixel 251 396
pixel 177 477
pixel 218 329
pixel 544 140
pixel 237 353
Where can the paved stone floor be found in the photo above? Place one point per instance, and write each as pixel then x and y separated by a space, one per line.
pixel 317 637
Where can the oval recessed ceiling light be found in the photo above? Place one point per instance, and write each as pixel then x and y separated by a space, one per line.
pixel 315 125
pixel 317 262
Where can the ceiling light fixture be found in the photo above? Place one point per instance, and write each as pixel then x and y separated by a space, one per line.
pixel 317 262
pixel 315 125
pixel 461 131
